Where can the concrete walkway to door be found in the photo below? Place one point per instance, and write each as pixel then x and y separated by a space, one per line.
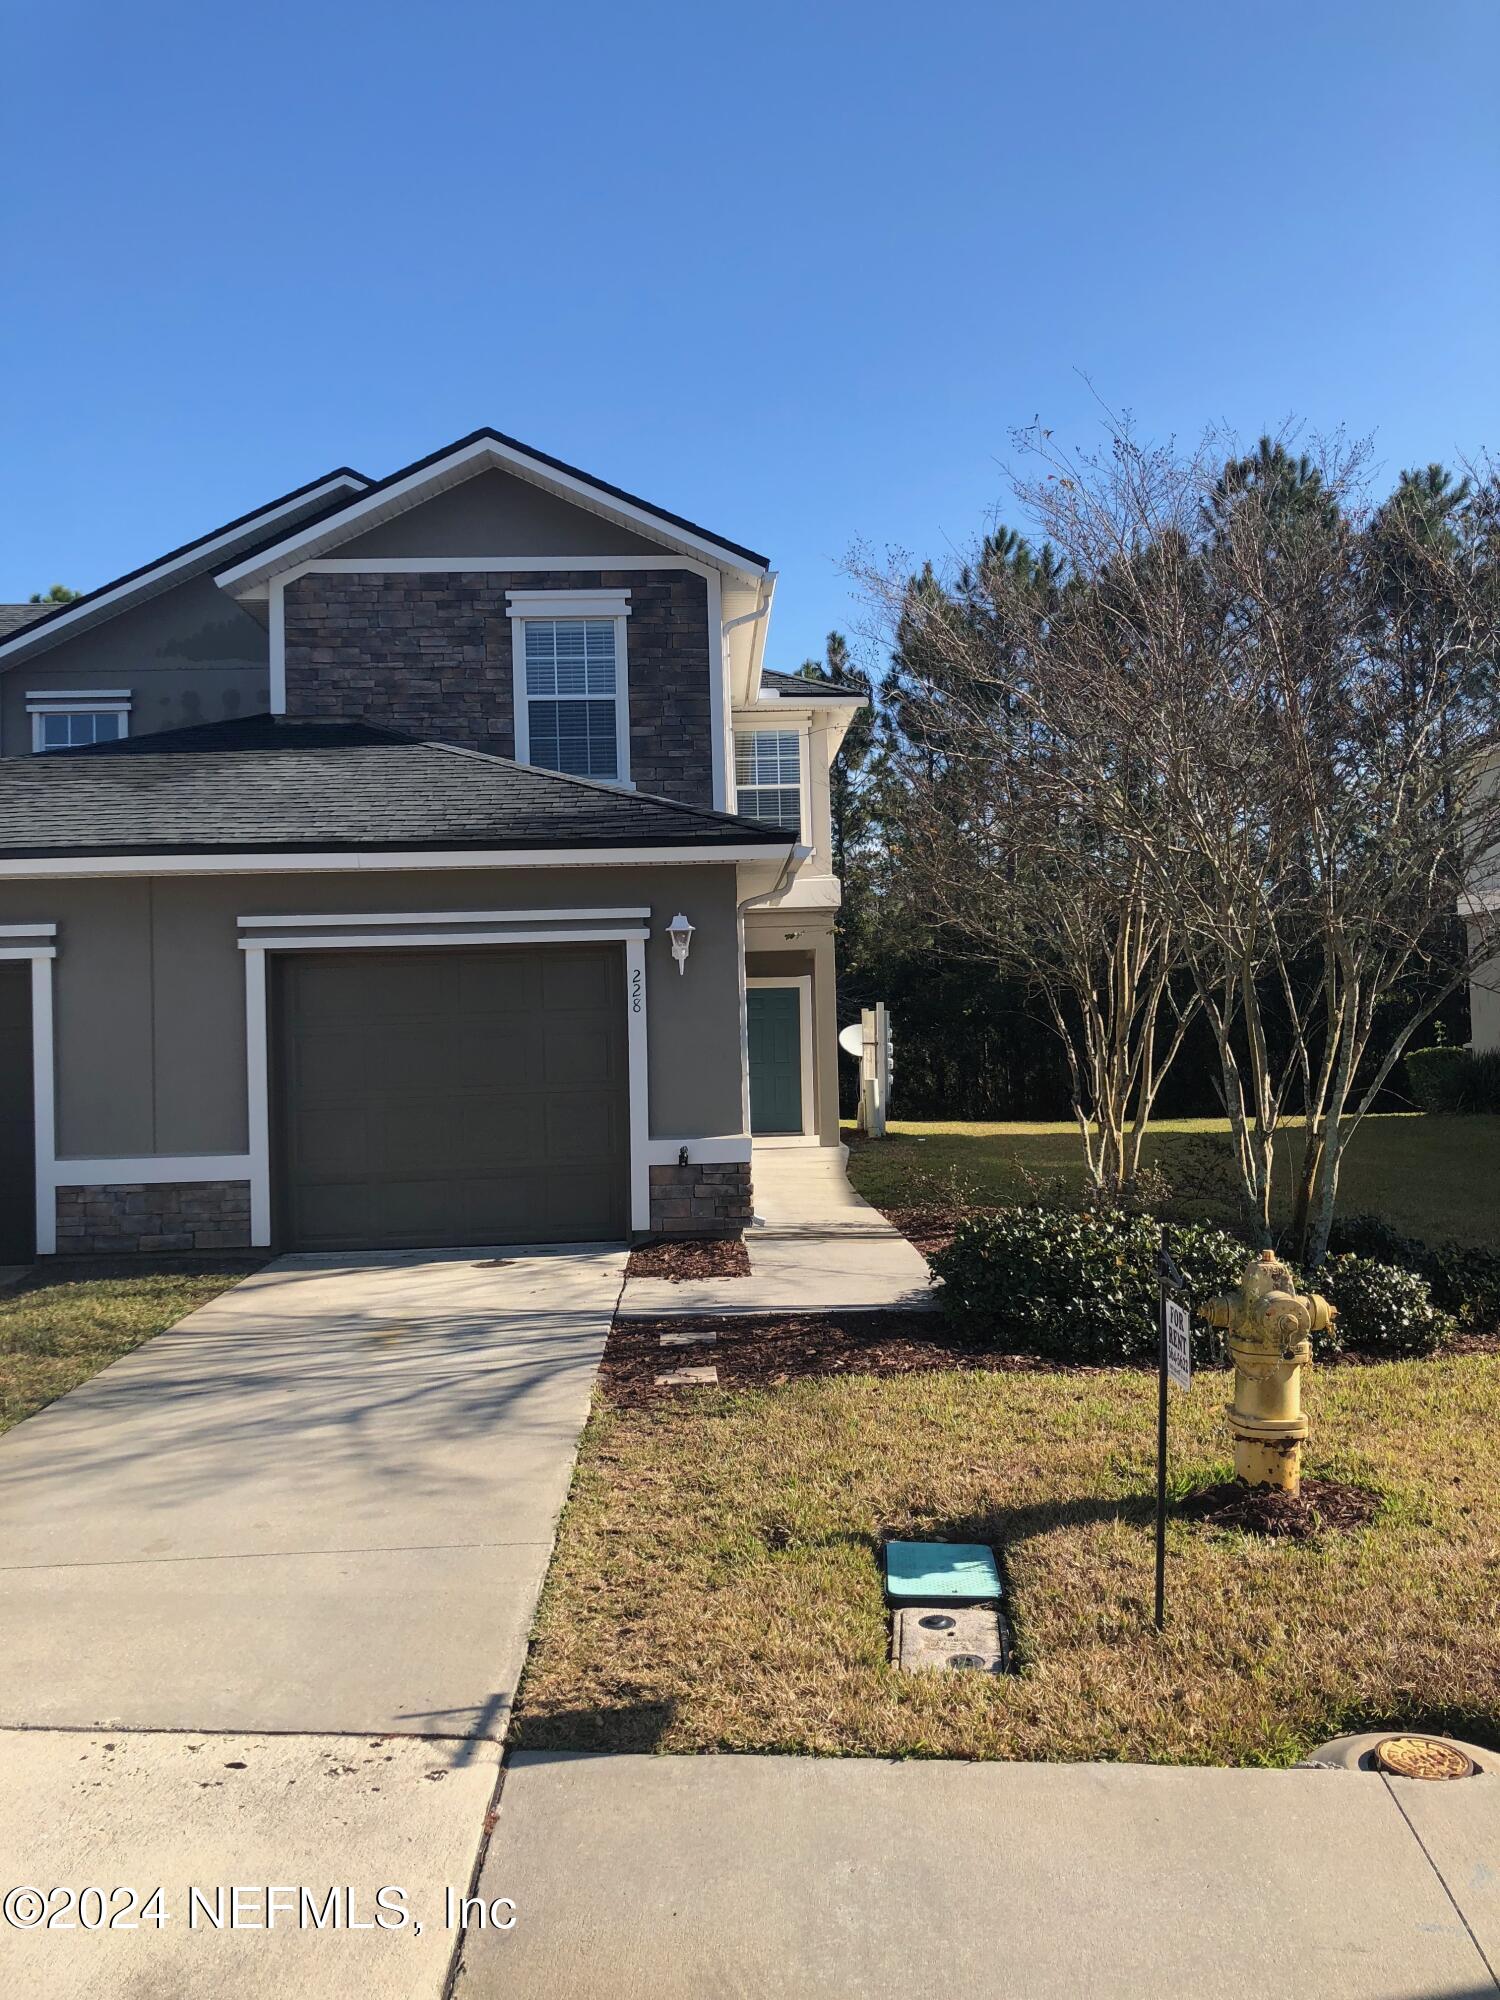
pixel 323 1502
pixel 815 1246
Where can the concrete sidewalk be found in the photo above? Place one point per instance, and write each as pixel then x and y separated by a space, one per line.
pixel 815 1246
pixel 680 1877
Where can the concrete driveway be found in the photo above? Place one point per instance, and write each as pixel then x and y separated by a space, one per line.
pixel 323 1502
pixel 265 1587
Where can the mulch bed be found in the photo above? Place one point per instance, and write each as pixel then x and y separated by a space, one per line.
pixel 1323 1506
pixel 926 1229
pixel 724 1257
pixel 767 1353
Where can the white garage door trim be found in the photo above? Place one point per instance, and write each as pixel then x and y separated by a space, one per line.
pixel 411 937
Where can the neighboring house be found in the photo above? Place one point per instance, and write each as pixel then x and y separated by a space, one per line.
pixel 1483 911
pixel 338 851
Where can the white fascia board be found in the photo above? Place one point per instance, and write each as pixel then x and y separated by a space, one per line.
pixel 484 454
pixel 78 694
pixel 28 930
pixel 32 867
pixel 158 577
pixel 832 698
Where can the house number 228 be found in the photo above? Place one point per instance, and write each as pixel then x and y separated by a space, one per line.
pixel 637 982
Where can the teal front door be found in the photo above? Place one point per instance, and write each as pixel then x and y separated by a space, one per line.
pixel 775 1020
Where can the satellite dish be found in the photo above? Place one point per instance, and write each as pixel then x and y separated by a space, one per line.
pixel 851 1040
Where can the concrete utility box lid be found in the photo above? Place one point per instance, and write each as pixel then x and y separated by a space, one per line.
pixel 940 1573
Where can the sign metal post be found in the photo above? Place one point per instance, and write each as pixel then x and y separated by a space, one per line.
pixel 1174 1365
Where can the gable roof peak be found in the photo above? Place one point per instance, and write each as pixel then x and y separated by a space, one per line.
pixel 483 450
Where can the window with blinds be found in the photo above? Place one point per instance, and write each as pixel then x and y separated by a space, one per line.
pixel 768 776
pixel 572 690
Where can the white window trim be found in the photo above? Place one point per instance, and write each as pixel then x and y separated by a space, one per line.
pixel 543 606
pixel 791 726
pixel 808 1136
pixel 258 1031
pixel 40 703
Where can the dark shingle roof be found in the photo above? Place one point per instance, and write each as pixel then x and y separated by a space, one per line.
pixel 804 689
pixel 87 597
pixel 14 616
pixel 266 785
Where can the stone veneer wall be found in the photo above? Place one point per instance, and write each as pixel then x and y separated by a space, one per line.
pixel 705 1200
pixel 428 653
pixel 151 1216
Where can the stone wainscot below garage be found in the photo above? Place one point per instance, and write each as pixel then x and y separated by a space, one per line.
pixel 709 1199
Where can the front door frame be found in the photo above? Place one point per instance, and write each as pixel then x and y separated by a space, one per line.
pixel 802 981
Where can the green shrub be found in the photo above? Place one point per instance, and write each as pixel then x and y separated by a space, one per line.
pixel 1074 1287
pixel 1464 1279
pixel 1454 1079
pixel 1383 1309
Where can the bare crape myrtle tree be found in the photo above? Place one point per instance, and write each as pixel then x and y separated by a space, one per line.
pixel 1218 745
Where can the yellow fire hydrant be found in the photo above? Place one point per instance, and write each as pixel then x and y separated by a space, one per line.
pixel 1268 1326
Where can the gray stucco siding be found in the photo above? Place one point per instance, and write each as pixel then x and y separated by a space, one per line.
pixel 497 514
pixel 149 991
pixel 188 655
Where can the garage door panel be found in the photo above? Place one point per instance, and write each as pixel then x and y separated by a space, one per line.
pixel 492 983
pixel 576 980
pixel 579 1129
pixel 506 1053
pixel 430 1098
pixel 579 1052
pixel 338 1147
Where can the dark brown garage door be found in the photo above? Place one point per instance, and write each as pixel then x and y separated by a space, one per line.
pixel 17 1149
pixel 450 1097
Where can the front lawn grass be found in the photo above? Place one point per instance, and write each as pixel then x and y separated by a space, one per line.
pixel 1435 1177
pixel 717 1587
pixel 70 1322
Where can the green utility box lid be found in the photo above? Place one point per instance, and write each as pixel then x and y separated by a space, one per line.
pixel 940 1573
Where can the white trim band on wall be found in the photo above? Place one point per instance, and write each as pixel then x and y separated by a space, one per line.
pixel 416 940
pixel 305 922
pixel 152 1169
pixel 732 1150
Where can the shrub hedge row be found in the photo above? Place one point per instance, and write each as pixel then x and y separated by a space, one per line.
pixel 1454 1079
pixel 1081 1287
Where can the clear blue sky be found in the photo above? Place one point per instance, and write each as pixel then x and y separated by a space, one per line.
pixel 793 270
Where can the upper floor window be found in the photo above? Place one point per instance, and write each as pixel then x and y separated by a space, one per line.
pixel 572 708
pixel 71 721
pixel 768 776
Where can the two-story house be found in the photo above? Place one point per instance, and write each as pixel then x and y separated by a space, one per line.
pixel 339 853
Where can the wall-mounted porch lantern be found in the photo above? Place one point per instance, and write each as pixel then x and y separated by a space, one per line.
pixel 680 931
